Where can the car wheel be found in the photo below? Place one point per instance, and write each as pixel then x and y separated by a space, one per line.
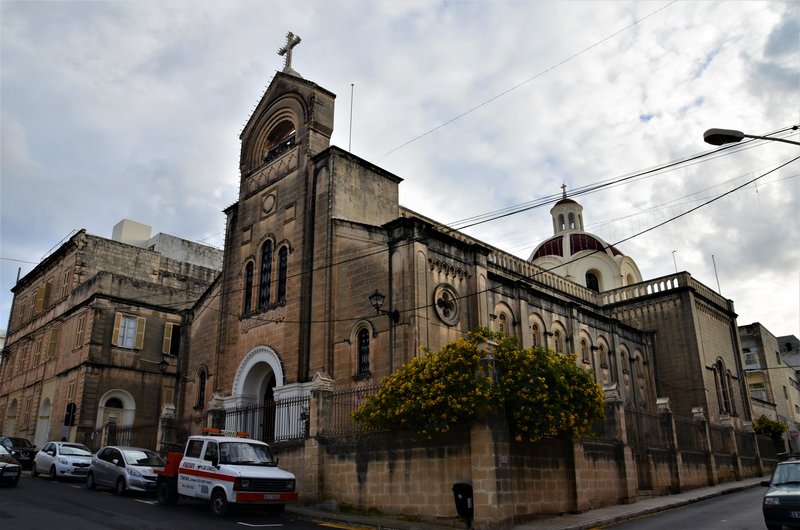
pixel 119 487
pixel 34 471
pixel 167 495
pixel 53 474
pixel 90 483
pixel 219 503
pixel 15 481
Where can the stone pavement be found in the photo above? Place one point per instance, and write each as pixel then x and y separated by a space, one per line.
pixel 577 521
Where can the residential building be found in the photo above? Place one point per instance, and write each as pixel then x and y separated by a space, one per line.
pixel 95 332
pixel 770 378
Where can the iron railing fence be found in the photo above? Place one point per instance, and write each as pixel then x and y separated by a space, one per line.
pixel 745 444
pixel 273 421
pixel 645 429
pixel 690 434
pixel 145 436
pixel 184 428
pixel 342 405
pixel 719 439
pixel 767 448
pixel 605 429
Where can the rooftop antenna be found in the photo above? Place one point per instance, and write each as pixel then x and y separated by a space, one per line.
pixel 715 274
pixel 350 139
pixel 675 262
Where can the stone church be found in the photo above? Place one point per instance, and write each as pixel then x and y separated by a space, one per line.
pixel 327 279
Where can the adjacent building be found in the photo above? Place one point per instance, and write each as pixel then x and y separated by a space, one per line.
pixel 95 331
pixel 771 378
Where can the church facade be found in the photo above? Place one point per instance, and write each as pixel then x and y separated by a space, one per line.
pixel 327 277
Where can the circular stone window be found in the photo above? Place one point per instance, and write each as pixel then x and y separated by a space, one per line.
pixel 445 300
pixel 269 203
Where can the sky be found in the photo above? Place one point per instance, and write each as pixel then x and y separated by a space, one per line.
pixel 122 109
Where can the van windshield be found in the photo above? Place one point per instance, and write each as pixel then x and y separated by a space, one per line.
pixel 245 453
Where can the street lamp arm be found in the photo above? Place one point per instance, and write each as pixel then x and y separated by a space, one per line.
pixel 784 140
pixel 729 136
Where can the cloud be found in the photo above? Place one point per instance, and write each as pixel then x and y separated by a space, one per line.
pixel 135 110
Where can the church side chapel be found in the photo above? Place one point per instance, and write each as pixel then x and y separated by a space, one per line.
pixel 326 275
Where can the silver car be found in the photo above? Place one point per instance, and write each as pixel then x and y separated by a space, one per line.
pixel 124 469
pixel 62 460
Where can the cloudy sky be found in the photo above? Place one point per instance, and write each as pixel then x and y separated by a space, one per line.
pixel 124 109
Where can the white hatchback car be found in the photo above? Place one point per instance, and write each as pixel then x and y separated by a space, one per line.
pixel 62 459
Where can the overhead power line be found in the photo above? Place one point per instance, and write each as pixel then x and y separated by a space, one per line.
pixel 532 78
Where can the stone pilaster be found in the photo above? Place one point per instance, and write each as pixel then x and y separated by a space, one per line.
pixel 491 477
pixel 670 433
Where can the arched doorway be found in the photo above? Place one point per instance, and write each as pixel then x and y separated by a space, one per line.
pixel 43 424
pixel 10 427
pixel 259 373
pixel 117 403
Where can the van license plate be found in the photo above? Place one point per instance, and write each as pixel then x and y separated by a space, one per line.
pixel 272 496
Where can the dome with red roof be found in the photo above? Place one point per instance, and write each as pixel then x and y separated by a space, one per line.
pixel 580 256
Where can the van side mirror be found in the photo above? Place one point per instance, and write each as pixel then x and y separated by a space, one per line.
pixel 215 461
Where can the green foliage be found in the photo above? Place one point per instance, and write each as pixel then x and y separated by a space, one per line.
pixel 772 428
pixel 543 393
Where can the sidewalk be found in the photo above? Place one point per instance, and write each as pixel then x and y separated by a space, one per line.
pixel 577 521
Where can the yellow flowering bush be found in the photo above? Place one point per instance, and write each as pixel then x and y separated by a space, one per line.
pixel 543 393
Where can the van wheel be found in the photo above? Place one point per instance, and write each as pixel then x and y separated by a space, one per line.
pixel 167 495
pixel 219 503
pixel 119 487
pixel 90 483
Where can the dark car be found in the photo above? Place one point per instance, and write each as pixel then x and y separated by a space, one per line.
pixel 10 470
pixel 781 503
pixel 20 448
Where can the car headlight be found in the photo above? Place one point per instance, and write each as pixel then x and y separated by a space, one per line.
pixel 771 501
pixel 134 473
pixel 63 461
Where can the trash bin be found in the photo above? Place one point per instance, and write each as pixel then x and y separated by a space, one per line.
pixel 462 494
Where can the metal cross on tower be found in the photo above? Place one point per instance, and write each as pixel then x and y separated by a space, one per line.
pixel 292 40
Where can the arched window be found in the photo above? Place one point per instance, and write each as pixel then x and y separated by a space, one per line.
pixel 248 288
pixel 558 343
pixel 283 264
pixel 280 140
pixel 592 282
pixel 201 388
pixel 722 381
pixel 561 224
pixel 584 351
pixel 571 221
pixel 732 406
pixel 502 323
pixel 265 278
pixel 535 331
pixel 363 351
pixel 114 403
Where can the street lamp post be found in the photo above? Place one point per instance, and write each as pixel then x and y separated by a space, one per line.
pixel 730 136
